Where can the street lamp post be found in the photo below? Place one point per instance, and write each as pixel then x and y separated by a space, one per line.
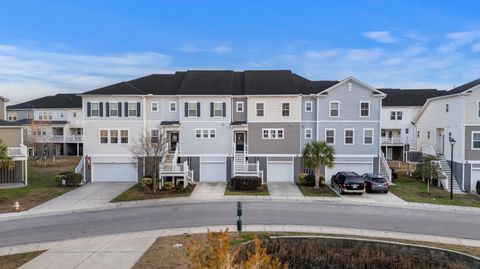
pixel 452 143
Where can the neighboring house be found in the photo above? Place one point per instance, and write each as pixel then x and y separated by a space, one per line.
pixel 54 124
pixel 11 134
pixel 222 124
pixel 453 115
pixel 399 108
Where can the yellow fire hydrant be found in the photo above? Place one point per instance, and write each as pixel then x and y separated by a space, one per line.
pixel 16 206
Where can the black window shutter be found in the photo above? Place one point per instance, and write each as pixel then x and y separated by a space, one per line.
pixel 89 107
pixel 126 109
pixel 224 109
pixel 211 109
pixel 107 109
pixel 186 109
pixel 198 109
pixel 119 109
pixel 101 109
pixel 138 109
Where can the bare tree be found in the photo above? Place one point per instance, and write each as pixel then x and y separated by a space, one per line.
pixel 151 147
pixel 39 137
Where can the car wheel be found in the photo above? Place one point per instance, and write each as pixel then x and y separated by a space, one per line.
pixel 367 190
pixel 341 191
pixel 386 191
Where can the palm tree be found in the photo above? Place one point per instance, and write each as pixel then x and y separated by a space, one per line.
pixel 316 155
pixel 5 160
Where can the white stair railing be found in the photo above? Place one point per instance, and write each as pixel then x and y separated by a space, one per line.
pixel 80 168
pixel 443 176
pixel 386 167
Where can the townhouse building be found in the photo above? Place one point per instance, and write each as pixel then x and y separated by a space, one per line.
pixel 454 115
pixel 54 124
pixel 222 124
pixel 399 108
pixel 11 134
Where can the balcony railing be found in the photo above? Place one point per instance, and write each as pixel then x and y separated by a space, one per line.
pixel 58 138
pixel 17 151
pixel 393 140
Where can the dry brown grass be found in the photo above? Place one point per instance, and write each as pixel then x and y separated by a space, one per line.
pixel 17 260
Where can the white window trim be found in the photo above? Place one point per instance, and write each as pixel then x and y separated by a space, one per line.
pixel 330 109
pixel 128 109
pixel 120 136
pixel 276 131
pixel 151 107
pixel 242 106
pixel 256 115
pixel 109 136
pixel 311 133
pixel 345 137
pixel 478 109
pixel 170 106
pixel 311 106
pixel 155 129
pixel 188 109
pixel 396 115
pixel 91 109
pixel 362 102
pixel 110 110
pixel 221 109
pixel 210 131
pixel 289 108
pixel 373 135
pixel 471 141
pixel 334 134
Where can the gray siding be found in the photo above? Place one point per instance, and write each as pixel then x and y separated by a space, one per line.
pixel 376 168
pixel 189 144
pixel 194 164
pixel 229 168
pixel 468 177
pixel 457 170
pixel 239 116
pixel 309 116
pixel 289 145
pixel 349 103
pixel 358 147
pixel 305 125
pixel 297 167
pixel 469 153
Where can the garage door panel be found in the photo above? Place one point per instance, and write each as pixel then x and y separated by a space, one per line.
pixel 359 168
pixel 280 172
pixel 213 169
pixel 114 172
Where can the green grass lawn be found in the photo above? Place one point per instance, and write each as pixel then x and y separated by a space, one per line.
pixel 133 194
pixel 41 185
pixel 16 260
pixel 324 190
pixel 262 192
pixel 415 190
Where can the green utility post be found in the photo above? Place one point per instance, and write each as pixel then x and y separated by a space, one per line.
pixel 239 217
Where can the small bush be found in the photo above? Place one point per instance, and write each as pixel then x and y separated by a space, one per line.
pixel 246 183
pixel 168 186
pixel 308 180
pixel 71 178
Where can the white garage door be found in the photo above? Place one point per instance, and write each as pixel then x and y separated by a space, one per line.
pixel 280 172
pixel 114 172
pixel 213 169
pixel 359 168
pixel 475 176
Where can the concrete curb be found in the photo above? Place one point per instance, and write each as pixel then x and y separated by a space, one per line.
pixel 187 200
pixel 253 228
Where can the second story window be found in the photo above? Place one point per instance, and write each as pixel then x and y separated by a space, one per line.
pixel 285 109
pixel 364 109
pixel 475 140
pixel 240 106
pixel 154 106
pixel 172 107
pixel 132 109
pixel 103 136
pixel 392 115
pixel 334 109
pixel 368 136
pixel 330 136
pixel 349 137
pixel 308 106
pixel 399 115
pixel 154 135
pixel 12 116
pixel 193 109
pixel 216 109
pixel 95 109
pixel 113 109
pixel 260 109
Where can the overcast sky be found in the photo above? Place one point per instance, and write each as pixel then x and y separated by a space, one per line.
pixel 47 47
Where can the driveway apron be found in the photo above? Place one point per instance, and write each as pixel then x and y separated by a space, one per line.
pixel 208 190
pixel 284 190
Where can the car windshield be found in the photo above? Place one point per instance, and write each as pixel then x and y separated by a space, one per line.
pixel 378 180
pixel 355 180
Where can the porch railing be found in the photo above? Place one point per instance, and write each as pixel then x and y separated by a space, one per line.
pixel 393 140
pixel 18 151
pixel 57 138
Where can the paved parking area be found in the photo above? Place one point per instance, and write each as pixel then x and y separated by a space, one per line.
pixel 373 198
pixel 91 195
pixel 284 190
pixel 208 190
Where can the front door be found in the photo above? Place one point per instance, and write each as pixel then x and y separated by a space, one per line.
pixel 174 138
pixel 239 141
pixel 389 154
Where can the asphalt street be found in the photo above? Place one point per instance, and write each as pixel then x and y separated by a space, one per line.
pixel 69 226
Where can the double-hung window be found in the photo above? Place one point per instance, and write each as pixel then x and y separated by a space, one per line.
pixel 399 115
pixel 334 109
pixel 217 109
pixel 192 109
pixel 12 116
pixel 240 106
pixel 478 109
pixel 308 106
pixel 260 109
pixel 104 136
pixel 349 136
pixel 205 133
pixel 172 106
pixel 330 136
pixel 308 133
pixel 285 109
pixel 113 107
pixel 368 136
pixel 132 109
pixel 154 106
pixel 393 115
pixel 124 136
pixel 475 140
pixel 364 109
pixel 95 109
pixel 113 136
pixel 154 135
pixel 270 133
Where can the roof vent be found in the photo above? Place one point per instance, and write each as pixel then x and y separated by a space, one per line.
pixel 349 86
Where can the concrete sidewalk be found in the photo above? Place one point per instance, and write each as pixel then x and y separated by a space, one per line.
pixel 124 250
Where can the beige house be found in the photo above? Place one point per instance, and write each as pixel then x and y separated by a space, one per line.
pixel 12 135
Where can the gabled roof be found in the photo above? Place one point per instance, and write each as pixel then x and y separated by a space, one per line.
pixel 465 87
pixel 408 97
pixel 306 86
pixel 352 79
pixel 4 98
pixel 61 100
pixel 122 88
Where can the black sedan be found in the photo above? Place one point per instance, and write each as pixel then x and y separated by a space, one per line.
pixel 375 183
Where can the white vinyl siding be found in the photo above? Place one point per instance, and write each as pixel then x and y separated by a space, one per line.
pixel 154 106
pixel 285 109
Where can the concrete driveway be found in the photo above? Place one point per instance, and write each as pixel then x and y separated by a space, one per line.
pixel 284 190
pixel 91 195
pixel 208 190
pixel 373 198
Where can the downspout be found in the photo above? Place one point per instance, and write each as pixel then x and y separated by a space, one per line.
pixel 463 146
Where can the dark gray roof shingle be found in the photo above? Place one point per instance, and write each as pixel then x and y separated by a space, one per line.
pixel 408 97
pixel 464 87
pixel 61 100
pixel 4 123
